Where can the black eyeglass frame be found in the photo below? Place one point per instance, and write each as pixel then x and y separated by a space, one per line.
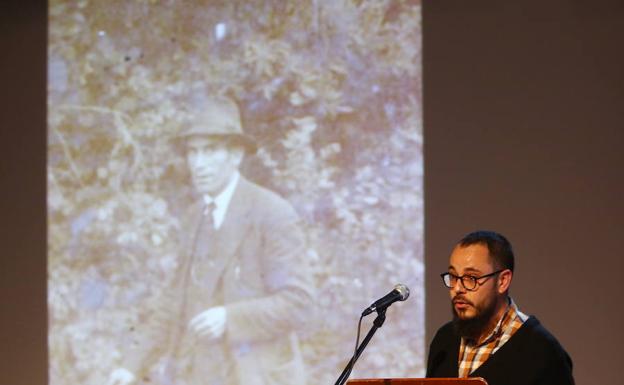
pixel 472 277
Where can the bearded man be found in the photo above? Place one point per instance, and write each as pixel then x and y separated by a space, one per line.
pixel 489 336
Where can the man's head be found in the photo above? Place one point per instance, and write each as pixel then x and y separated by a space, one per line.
pixel 214 144
pixel 498 246
pixel 480 272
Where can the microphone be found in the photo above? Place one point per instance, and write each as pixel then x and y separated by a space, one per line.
pixel 400 293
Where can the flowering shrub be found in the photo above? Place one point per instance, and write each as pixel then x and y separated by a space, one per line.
pixel 329 89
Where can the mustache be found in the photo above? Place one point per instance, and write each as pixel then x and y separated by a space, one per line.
pixel 459 298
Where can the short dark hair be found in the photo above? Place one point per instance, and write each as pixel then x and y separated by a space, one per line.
pixel 498 246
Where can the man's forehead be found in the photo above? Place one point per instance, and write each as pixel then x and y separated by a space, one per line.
pixel 470 258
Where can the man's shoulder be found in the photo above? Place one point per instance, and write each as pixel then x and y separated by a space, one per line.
pixel 445 335
pixel 265 205
pixel 533 333
pixel 541 352
pixel 446 330
pixel 533 329
pixel 258 190
pixel 264 199
pixel 535 341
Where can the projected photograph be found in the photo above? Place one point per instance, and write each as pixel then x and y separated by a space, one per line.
pixel 230 184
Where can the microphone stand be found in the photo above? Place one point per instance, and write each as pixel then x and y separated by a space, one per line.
pixel 377 323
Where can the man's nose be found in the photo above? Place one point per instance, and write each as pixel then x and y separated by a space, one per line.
pixel 458 287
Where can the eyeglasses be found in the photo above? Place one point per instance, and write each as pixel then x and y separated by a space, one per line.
pixel 469 282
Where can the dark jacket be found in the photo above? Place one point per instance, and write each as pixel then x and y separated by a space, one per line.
pixel 532 356
pixel 259 259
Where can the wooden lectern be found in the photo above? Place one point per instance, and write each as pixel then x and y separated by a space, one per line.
pixel 418 381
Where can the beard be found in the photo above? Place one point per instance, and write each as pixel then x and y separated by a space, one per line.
pixel 473 327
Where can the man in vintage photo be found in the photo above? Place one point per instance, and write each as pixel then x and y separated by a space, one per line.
pixel 242 285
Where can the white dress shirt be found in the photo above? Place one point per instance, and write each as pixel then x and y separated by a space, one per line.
pixel 222 201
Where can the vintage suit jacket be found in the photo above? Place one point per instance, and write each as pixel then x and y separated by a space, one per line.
pixel 258 270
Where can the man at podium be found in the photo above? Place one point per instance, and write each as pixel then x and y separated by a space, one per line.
pixel 489 336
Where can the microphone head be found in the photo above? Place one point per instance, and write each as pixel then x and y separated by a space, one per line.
pixel 403 290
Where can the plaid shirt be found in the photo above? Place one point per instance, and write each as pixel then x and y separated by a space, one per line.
pixel 472 354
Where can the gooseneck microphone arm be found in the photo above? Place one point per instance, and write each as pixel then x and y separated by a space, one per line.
pixel 377 323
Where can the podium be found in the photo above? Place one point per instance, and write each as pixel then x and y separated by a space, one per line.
pixel 418 381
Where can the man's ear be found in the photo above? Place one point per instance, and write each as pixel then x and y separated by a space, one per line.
pixel 504 280
pixel 237 153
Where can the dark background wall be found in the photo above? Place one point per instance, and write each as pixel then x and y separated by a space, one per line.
pixel 23 322
pixel 524 118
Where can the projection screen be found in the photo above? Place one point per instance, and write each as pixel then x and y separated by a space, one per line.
pixel 329 92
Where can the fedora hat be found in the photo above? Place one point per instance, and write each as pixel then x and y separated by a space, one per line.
pixel 219 118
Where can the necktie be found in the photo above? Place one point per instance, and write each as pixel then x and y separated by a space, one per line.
pixel 209 214
pixel 203 242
